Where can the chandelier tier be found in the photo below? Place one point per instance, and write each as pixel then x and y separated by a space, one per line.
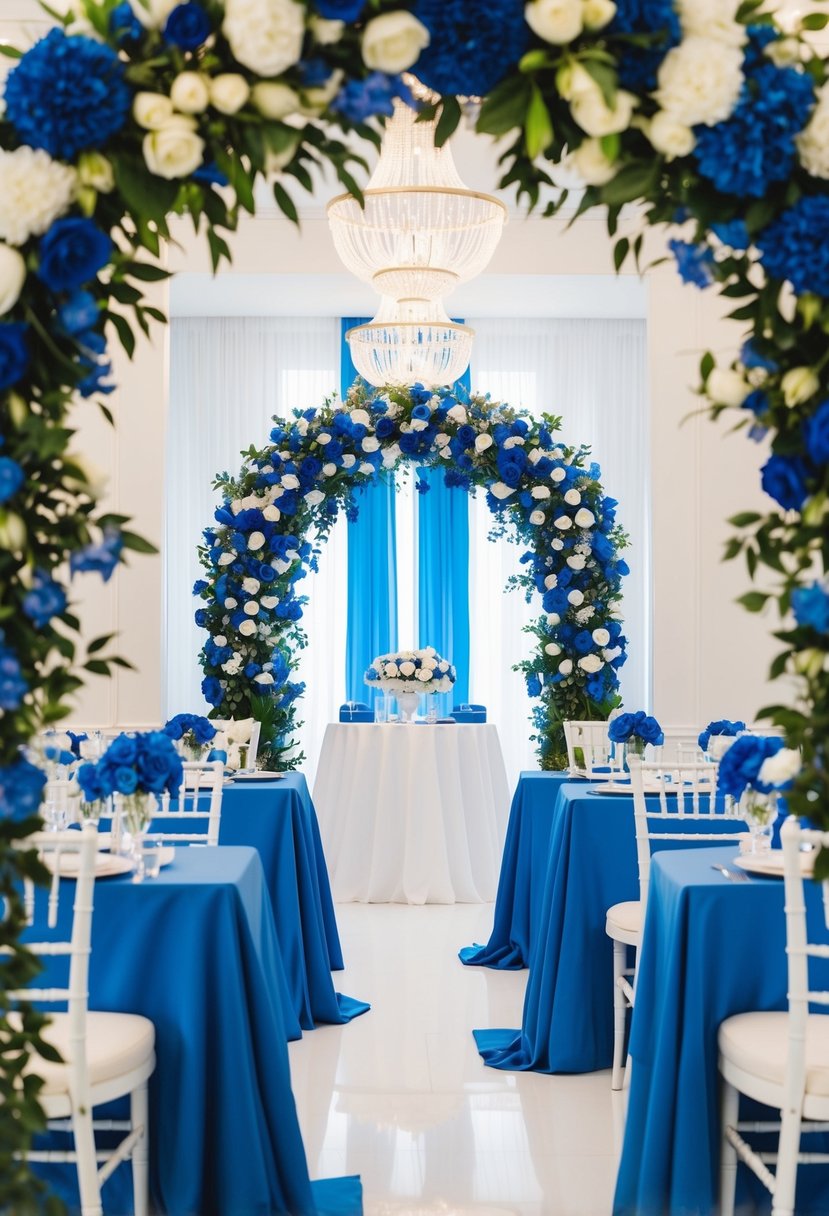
pixel 411 342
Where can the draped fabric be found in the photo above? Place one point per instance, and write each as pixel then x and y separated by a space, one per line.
pixel 371 627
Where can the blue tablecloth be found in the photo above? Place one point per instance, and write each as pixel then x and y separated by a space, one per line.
pixel 196 952
pixel 278 819
pixel 568 1007
pixel 711 948
pixel 523 875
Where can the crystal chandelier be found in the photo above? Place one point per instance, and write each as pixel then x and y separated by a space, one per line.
pixel 420 234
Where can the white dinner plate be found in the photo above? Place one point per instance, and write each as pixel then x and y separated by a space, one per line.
pixel 618 787
pixel 107 865
pixel 258 776
pixel 770 865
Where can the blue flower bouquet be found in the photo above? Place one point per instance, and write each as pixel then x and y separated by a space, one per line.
pixel 635 731
pixel 192 732
pixel 722 731
pixel 753 773
pixel 136 769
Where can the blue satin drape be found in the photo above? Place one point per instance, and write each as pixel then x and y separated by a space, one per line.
pixel 443 575
pixel 371 625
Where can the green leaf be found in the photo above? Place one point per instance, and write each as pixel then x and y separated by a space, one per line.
pixel 538 133
pixel 534 61
pixel 754 601
pixel 98 667
pixel 706 366
pixel 285 203
pixel 99 643
pixel 137 543
pixel 146 195
pixel 124 330
pixel 146 272
pixel 744 519
pixel 11 52
pixel 605 77
pixel 620 252
pixel 505 107
pixel 632 182
pixel 815 21
pixel 450 116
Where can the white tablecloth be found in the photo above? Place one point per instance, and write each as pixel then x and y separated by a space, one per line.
pixel 412 814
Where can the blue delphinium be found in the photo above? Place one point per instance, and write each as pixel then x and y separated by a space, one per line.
pixel 14 353
pixel 188 26
pixel 741 764
pixel 359 100
pixel 13 686
pixel 11 478
pixel 101 558
pixel 755 146
pixel 721 727
pixel 638 65
pixel 784 479
pixel 45 599
pixel 471 45
pixel 693 262
pixel 21 789
pixel 72 252
pixel 67 94
pixel 795 246
pixel 810 606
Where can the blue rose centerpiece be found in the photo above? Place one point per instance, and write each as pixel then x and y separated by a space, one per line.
pixel 717 736
pixel 192 732
pixel 635 731
pixel 137 769
pixel 752 774
pixel 409 674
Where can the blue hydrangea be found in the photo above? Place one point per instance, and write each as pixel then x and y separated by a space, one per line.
pixel 21 789
pixel 67 94
pixel 13 686
pixel 693 262
pixel 638 65
pixel 45 599
pixel 11 478
pixel 755 147
pixel 733 233
pixel 359 100
pixel 471 46
pixel 810 606
pixel 795 246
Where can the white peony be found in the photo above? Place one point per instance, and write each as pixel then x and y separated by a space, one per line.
pixel 563 523
pixel 575 597
pixel 798 385
pixel 272 513
pixel 152 110
pixel 407 668
pixel 540 491
pixel 591 663
pixel 781 768
pixel 265 35
pixel 229 92
pixel 392 42
pixel 576 562
pixel 225 559
pixel 727 387
pixel 813 140
pixel 584 518
pixel 314 498
pixel 251 608
pixel 256 540
pixel 669 136
pixel 601 637
pixel 715 19
pixel 247 629
pixel 700 81
pixel 34 191
pixel 274 100
pixel 572 498
pixel 597 13
pixel 458 414
pixel 565 667
pixel 483 442
pixel 190 93
pixel 360 417
pixel 591 164
pixel 556 21
pixel 499 490
pixel 552 648
pixel 12 278
pixel 596 117
pixel 176 150
pixel 152 13
pixel 537 518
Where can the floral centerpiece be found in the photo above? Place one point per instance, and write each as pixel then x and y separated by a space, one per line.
pixel 752 774
pixel 409 674
pixel 720 730
pixel 192 731
pixel 635 731
pixel 138 768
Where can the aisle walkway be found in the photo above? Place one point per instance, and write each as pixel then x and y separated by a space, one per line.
pixel 401 1096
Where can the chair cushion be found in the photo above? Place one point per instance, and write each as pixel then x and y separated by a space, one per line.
pixel 758 1043
pixel 116 1044
pixel 626 917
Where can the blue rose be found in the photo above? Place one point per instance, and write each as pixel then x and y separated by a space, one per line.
pixel 740 766
pixel 810 606
pixel 817 434
pixel 201 618
pixel 583 641
pixel 79 313
pixel 45 600
pixel 72 252
pixel 126 780
pixel 21 789
pixel 212 690
pixel 784 479
pixel 422 412
pixel 466 436
pixel 14 353
pixel 124 24
pixel 92 787
pixel 188 26
pixel 721 727
pixel 384 427
pixel 122 750
pixel 11 478
pixel 158 764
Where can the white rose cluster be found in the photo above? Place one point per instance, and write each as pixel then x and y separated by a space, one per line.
pixel 421 670
pixel 813 140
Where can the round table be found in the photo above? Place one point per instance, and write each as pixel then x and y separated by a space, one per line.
pixel 412 813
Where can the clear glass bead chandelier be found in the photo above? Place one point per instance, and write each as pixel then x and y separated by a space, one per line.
pixel 420 234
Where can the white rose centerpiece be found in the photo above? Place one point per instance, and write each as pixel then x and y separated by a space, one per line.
pixel 408 674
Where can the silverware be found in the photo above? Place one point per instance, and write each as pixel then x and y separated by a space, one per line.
pixel 733 875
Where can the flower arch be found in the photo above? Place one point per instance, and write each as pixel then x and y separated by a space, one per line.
pixel 707 113
pixel 542 494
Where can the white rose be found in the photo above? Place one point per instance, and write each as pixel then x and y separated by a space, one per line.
pixel 700 81
pixel 576 562
pixel 349 461
pixel 572 498
pixel 556 21
pixel 601 637
pixel 272 513
pixel 458 414
pixel 715 19
pixel 557 544
pixel 418 424
pixel 12 278
pixel 784 52
pixel 230 602
pixel 670 137
pixel 553 619
pixel 290 481
pixel 584 518
pixel 537 518
pixel 326 31
pixel 392 42
pixel 190 93
pixel 558 474
pixel 34 191
pixel 442 440
pixel 540 492
pixel 551 581
pixel 407 668
pixel 565 667
pixel 798 385
pixel 250 585
pixel 256 540
pixel 265 35
pixel 220 639
pixel 247 629
pixel 534 455
pixel 595 116
pixel 813 140
pixel 229 92
pixel 329 469
pixel 424 674
pixel 482 442
pixel 152 110
pixel 96 171
pixel 274 100
pixel 153 13
pixel 591 663
pixel 225 559
pixel 264 677
pixel 314 498
pixel 514 441
pixel 572 79
pixel 390 670
pixel 269 601
pixel 366 469
pixel 360 417
pixel 591 164
pixel 251 608
pixel 176 150
pixel 370 444
pixel 781 767
pixel 598 13
pixel 499 490
pixel 563 523
pixel 552 648
pixel 727 387
pixel 575 597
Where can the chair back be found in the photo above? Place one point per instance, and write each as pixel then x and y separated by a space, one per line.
pixel 590 752
pixel 229 727
pixel 681 746
pixel 71 854
pixel 199 798
pixel 680 800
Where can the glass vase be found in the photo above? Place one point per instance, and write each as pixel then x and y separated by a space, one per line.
pixel 759 811
pixel 634 746
pixel 407 703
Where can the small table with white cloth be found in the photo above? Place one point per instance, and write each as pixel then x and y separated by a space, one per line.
pixel 412 813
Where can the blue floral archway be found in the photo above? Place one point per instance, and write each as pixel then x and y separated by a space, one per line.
pixel 543 494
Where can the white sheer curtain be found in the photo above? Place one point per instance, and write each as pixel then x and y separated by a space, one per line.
pixel 594 375
pixel 228 376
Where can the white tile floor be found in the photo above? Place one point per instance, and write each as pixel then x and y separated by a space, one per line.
pixel 401 1096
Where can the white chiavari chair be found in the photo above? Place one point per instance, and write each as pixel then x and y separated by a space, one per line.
pixel 683 799
pixel 590 752
pixel 780 1059
pixel 199 799
pixel 104 1055
pixel 681 746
